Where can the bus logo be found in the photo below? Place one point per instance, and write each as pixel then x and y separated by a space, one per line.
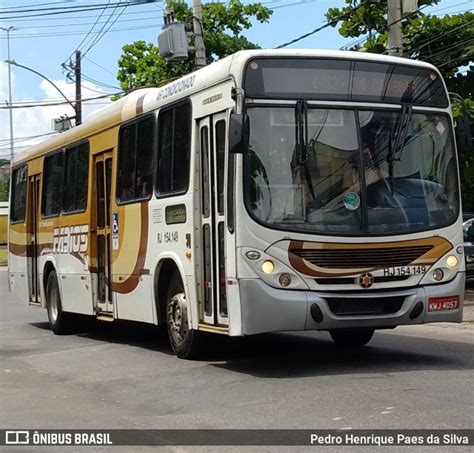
pixel 365 280
pixel 70 239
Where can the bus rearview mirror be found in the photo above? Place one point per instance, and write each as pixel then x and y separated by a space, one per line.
pixel 239 133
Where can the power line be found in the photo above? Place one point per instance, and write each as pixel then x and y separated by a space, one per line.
pixel 451 47
pixel 76 33
pixel 76 9
pixel 100 36
pixel 100 66
pixel 90 31
pixel 88 23
pixel 59 102
pixel 48 19
pixel 316 30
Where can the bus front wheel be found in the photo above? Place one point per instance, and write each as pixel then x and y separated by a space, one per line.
pixel 59 321
pixel 184 341
pixel 354 338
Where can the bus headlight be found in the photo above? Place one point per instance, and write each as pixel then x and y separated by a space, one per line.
pixel 452 261
pixel 271 270
pixel 268 266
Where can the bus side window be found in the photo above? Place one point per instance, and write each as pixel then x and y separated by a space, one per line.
pixel 18 195
pixel 174 147
pixel 52 184
pixel 76 178
pixel 135 160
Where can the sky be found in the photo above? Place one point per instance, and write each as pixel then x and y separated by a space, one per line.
pixel 43 43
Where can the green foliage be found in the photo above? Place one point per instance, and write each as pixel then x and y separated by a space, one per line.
pixel 4 187
pixel 141 64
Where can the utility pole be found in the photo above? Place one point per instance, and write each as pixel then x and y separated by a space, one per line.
pixel 77 78
pixel 10 106
pixel 394 24
pixel 199 47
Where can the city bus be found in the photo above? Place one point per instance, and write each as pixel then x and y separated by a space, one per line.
pixel 273 190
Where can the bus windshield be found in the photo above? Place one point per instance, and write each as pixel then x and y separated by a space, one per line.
pixel 350 172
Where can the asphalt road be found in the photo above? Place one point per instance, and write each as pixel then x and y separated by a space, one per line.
pixel 124 376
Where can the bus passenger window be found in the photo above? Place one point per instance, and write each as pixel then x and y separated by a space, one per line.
pixel 76 178
pixel 52 184
pixel 174 149
pixel 18 195
pixel 135 160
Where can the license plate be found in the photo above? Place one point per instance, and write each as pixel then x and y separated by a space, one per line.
pixel 404 271
pixel 443 303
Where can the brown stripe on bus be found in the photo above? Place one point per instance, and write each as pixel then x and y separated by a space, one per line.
pixel 132 281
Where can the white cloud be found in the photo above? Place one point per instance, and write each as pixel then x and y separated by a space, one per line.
pixel 35 121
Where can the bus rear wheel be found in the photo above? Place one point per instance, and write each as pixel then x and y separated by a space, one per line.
pixel 352 338
pixel 184 341
pixel 59 321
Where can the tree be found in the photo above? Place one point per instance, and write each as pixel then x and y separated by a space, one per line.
pixel 141 64
pixel 4 187
pixel 446 42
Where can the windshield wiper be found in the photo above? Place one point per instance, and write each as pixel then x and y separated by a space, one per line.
pixel 301 140
pixel 398 139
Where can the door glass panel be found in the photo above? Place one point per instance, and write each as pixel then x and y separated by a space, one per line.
pixel 101 262
pixel 207 267
pixel 222 276
pixel 220 156
pixel 205 170
pixel 108 178
pixel 100 194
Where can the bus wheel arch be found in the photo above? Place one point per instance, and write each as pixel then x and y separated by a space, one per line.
pixel 163 273
pixel 48 268
pixel 169 289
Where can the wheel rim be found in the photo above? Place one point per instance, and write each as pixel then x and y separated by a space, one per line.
pixel 178 318
pixel 53 304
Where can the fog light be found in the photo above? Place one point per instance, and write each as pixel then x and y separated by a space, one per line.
pixel 452 261
pixel 285 279
pixel 268 266
pixel 252 255
pixel 438 275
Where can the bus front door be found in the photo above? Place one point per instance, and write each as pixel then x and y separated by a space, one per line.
pixel 102 229
pixel 212 279
pixel 32 248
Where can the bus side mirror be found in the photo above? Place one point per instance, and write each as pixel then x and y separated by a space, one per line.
pixel 470 233
pixel 463 133
pixel 239 133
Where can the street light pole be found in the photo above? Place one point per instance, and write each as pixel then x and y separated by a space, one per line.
pixel 8 30
pixel 13 62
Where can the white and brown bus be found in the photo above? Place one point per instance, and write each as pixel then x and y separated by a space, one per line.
pixel 274 190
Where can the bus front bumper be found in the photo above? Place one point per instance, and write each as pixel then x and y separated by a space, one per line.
pixel 267 309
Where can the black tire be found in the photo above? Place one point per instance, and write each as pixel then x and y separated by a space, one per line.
pixel 355 338
pixel 60 322
pixel 185 342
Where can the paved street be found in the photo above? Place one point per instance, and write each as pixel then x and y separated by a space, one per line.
pixel 125 376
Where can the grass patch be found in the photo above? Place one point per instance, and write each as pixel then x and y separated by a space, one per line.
pixel 3 257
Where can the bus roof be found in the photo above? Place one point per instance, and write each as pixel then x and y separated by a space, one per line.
pixel 147 99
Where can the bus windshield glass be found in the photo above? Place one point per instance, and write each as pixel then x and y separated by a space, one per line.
pixel 350 172
pixel 343 80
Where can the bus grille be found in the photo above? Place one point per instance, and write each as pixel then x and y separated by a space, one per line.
pixel 362 258
pixel 360 306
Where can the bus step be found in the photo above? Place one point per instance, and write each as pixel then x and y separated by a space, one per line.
pixel 108 317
